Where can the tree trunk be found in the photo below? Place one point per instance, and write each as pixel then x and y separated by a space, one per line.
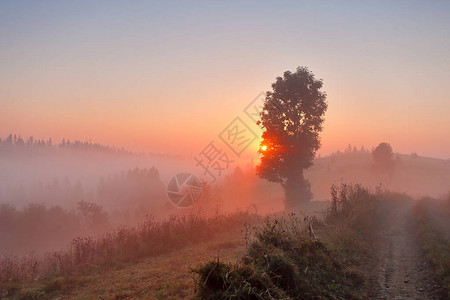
pixel 297 191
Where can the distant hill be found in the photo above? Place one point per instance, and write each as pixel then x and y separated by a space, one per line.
pixel 412 174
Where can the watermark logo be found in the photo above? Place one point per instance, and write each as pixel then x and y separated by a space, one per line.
pixel 184 189
pixel 237 136
pixel 213 161
pixel 255 107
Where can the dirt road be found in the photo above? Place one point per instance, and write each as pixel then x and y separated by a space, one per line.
pixel 400 270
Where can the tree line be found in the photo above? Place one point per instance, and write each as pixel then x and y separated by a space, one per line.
pixel 17 140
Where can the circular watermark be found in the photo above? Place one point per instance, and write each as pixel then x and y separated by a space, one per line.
pixel 184 189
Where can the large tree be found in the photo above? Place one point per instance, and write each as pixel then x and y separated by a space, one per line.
pixel 292 119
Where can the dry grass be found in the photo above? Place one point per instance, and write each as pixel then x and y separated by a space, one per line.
pixel 166 276
pixel 88 255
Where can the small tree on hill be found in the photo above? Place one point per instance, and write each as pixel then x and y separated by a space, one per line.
pixel 383 156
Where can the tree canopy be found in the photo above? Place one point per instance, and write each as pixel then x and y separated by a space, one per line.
pixel 292 118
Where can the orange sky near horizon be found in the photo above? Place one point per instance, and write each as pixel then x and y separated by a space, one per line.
pixel 75 72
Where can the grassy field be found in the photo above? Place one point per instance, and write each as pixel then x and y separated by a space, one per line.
pixel 324 251
pixel 151 259
pixel 166 276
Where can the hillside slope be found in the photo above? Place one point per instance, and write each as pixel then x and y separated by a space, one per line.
pixel 416 176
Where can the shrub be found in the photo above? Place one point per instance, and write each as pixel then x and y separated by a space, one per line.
pixel 283 262
pixel 287 261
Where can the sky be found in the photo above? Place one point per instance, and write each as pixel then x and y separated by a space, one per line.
pixel 170 76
